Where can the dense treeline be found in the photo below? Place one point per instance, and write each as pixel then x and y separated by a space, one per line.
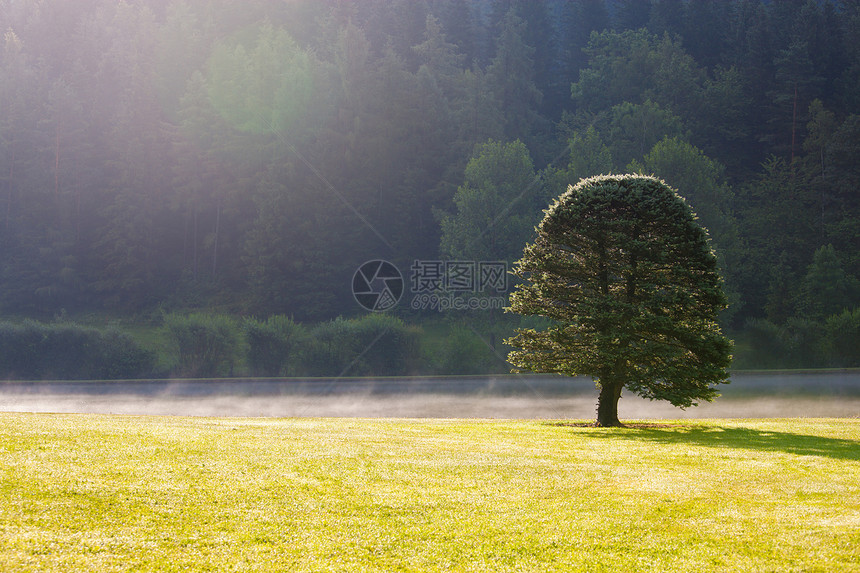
pixel 206 345
pixel 67 351
pixel 250 156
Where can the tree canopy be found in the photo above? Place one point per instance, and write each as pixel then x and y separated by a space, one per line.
pixel 629 280
pixel 249 156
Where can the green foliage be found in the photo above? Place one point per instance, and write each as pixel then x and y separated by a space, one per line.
pixel 702 182
pixel 768 346
pixel 207 345
pixel 629 278
pixel 843 339
pixel 780 224
pixel 373 345
pixel 476 111
pixel 820 128
pixel 332 349
pixel 803 343
pixel 782 292
pixel 386 346
pixel 438 56
pixel 67 351
pixel 20 347
pixel 261 84
pixel 806 344
pixel 274 345
pixel 721 125
pixel 511 78
pixel 635 67
pixel 634 129
pixel 839 200
pixel 496 207
pixel 589 156
pixel 284 253
pixel 699 179
pixel 249 156
pixel 464 352
pixel 827 289
pixel 120 356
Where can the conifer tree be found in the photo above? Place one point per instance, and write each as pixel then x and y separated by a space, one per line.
pixel 628 278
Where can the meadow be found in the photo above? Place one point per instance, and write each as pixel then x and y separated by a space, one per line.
pixel 124 493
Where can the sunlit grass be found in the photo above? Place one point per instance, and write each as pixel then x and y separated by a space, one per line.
pixel 107 493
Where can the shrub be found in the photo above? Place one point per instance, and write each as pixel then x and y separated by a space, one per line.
pixel 373 345
pixel 800 343
pixel 122 357
pixel 385 346
pixel 768 344
pixel 68 351
pixel 842 339
pixel 805 343
pixel 465 353
pixel 274 345
pixel 19 350
pixel 207 345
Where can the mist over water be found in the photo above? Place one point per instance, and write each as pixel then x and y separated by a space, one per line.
pixel 500 397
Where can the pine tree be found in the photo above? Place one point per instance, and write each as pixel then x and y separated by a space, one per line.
pixel 495 205
pixel 457 23
pixel 511 78
pixel 628 278
pixel 632 15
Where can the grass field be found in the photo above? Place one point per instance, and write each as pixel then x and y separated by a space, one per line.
pixel 110 493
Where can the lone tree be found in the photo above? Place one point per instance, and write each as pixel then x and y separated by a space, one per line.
pixel 628 277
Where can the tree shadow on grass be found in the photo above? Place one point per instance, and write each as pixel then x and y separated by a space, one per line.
pixel 741 438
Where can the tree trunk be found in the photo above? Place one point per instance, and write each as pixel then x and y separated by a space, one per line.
pixel 607 403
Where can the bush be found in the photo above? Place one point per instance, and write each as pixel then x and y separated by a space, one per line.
pixel 207 345
pixel 329 351
pixel 385 346
pixel 803 343
pixel 20 351
pixel 768 345
pixel 122 357
pixel 374 345
pixel 842 339
pixel 465 353
pixel 274 346
pixel 68 351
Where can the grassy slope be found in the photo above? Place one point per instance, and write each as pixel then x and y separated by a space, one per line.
pixel 106 493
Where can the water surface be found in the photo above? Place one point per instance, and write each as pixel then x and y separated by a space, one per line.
pixel 750 395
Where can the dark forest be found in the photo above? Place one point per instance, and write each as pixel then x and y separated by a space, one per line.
pixel 245 158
